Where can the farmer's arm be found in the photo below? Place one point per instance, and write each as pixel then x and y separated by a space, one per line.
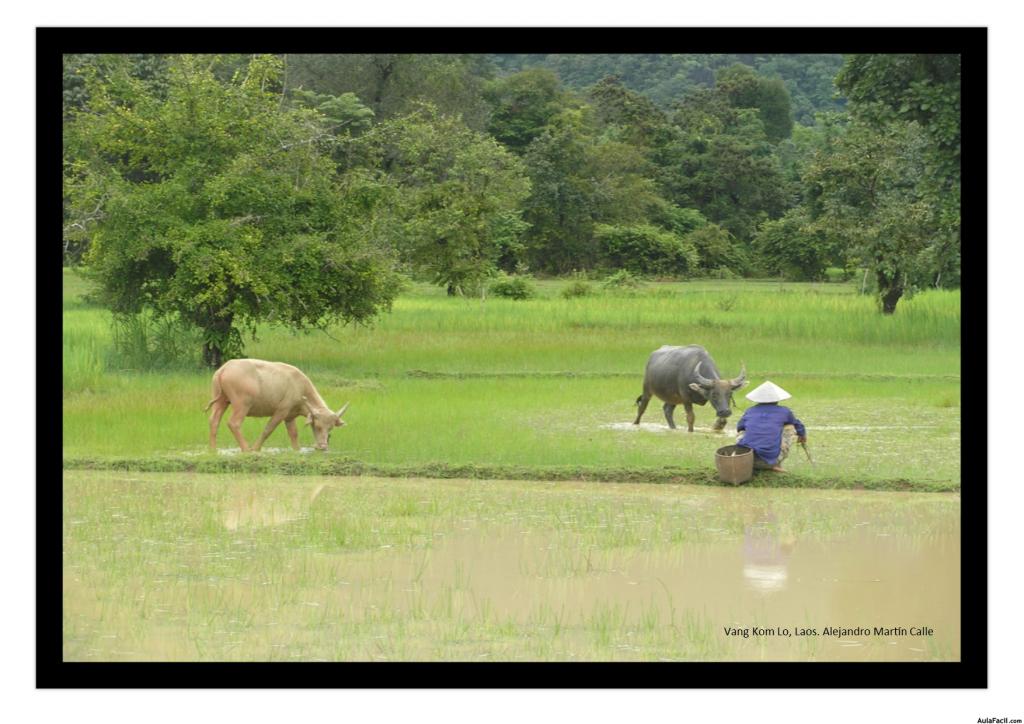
pixel 742 424
pixel 801 431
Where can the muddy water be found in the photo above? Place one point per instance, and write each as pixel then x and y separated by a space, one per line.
pixel 761 584
pixel 171 567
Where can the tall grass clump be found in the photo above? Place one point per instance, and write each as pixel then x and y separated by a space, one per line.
pixel 623 281
pixel 578 287
pixel 144 342
pixel 83 367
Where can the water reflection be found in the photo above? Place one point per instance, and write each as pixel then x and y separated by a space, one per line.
pixel 556 571
pixel 767 547
pixel 250 509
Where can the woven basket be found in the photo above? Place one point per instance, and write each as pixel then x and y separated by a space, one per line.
pixel 735 464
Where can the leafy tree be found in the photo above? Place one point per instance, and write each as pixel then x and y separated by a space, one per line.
pixel 646 249
pixel 522 105
pixel 635 118
pixel 809 78
pixel 580 177
pixel 666 78
pixel 150 69
pixel 392 84
pixel 791 246
pixel 623 190
pixel 218 207
pixel 677 220
pixel 868 193
pixel 461 194
pixel 723 164
pixel 345 113
pixel 561 206
pixel 744 88
pixel 717 249
pixel 925 89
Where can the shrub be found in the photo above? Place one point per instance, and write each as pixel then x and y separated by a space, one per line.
pixel 513 287
pixel 787 246
pixel 727 303
pixel 145 342
pixel 645 249
pixel 718 250
pixel 623 279
pixel 578 288
pixel 722 272
pixel 678 220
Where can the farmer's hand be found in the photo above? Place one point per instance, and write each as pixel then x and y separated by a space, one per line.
pixel 802 439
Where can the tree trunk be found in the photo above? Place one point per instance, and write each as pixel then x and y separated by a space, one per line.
pixel 212 355
pixel 218 337
pixel 889 293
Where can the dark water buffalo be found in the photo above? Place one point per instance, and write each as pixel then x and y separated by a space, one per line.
pixel 687 376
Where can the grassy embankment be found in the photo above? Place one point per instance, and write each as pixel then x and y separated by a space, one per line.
pixel 544 388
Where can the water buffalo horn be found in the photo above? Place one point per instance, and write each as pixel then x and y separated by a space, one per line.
pixel 742 378
pixel 701 379
pixel 342 410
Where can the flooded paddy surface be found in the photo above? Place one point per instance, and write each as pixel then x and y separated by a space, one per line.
pixel 212 567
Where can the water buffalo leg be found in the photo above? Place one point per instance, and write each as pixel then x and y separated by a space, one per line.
pixel 669 408
pixel 642 404
pixel 275 420
pixel 235 425
pixel 293 433
pixel 218 411
pixel 689 416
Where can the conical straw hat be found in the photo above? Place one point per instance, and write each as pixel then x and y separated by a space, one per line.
pixel 768 392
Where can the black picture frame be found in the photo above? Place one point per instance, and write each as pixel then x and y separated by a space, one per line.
pixel 970 672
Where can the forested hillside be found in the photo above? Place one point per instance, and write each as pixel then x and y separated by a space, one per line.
pixel 667 78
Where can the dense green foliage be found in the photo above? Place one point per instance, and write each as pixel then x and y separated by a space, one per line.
pixel 642 248
pixel 512 287
pixel 891 94
pixel 219 209
pixel 666 78
pixel 792 248
pixel 222 191
pixel 459 195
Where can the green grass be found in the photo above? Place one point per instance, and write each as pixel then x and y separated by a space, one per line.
pixel 546 383
pixel 456 516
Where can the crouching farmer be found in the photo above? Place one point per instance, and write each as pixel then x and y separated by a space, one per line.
pixel 768 429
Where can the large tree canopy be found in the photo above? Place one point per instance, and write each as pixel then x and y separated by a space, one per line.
pixel 219 205
pixel 924 89
pixel 869 196
pixel 461 195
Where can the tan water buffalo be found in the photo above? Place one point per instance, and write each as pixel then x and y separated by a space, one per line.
pixel 255 388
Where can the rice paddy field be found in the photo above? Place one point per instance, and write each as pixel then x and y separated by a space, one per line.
pixel 490 498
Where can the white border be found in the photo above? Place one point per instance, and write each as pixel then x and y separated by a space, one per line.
pixel 1006 641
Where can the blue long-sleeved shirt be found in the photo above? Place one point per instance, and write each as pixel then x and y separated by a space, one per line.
pixel 762 427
